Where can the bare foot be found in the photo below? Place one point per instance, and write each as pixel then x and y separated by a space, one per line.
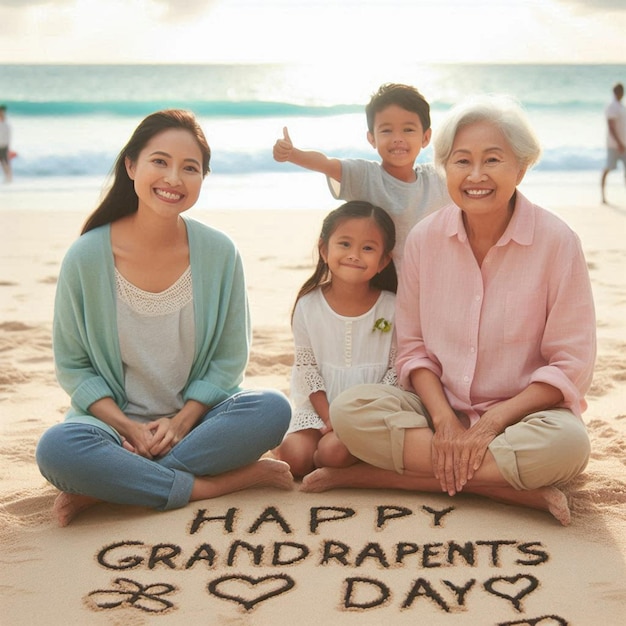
pixel 263 473
pixel 362 476
pixel 556 503
pixel 269 472
pixel 68 505
pixel 319 480
pixel 549 499
pixel 271 454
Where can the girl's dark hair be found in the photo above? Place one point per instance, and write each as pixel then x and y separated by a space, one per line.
pixel 121 198
pixel 387 278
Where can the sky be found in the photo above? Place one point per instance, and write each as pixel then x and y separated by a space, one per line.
pixel 335 32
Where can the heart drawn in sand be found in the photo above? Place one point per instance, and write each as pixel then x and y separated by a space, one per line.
pixel 504 583
pixel 546 620
pixel 238 588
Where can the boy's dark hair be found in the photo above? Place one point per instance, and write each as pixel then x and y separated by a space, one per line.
pixel 404 96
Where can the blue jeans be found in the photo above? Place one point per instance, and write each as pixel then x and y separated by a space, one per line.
pixel 84 459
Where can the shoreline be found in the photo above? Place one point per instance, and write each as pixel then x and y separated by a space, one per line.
pixel 293 191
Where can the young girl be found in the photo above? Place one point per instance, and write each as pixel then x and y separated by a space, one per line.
pixel 151 336
pixel 343 330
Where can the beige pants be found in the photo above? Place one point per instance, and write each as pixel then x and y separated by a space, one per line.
pixel 544 448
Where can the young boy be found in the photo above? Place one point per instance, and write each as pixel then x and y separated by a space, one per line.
pixel 398 122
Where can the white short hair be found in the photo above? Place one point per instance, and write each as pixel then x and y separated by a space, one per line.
pixel 504 112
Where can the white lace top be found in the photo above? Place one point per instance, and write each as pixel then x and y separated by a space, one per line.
pixel 157 333
pixel 333 352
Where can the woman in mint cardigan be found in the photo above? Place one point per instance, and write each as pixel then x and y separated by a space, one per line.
pixel 151 339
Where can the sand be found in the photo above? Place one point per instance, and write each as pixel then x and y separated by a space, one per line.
pixel 269 557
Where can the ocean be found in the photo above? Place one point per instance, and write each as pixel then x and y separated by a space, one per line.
pixel 70 121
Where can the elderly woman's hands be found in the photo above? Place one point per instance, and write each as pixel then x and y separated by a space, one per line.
pixel 458 452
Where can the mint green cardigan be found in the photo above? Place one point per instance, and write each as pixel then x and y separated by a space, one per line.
pixel 85 340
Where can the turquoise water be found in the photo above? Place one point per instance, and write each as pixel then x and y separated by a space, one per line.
pixel 69 122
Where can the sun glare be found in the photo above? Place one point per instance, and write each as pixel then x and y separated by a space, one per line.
pixel 316 32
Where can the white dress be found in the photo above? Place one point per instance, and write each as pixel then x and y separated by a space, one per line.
pixel 334 352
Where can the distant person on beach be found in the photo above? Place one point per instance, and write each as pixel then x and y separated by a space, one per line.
pixel 151 338
pixel 343 330
pixel 615 135
pixel 398 123
pixel 496 337
pixel 5 145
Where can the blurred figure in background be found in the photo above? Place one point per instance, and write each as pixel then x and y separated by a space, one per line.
pixel 615 136
pixel 5 140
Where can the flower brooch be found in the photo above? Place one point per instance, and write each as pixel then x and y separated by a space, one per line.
pixel 382 325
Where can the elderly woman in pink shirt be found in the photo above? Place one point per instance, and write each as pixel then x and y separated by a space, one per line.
pixel 496 337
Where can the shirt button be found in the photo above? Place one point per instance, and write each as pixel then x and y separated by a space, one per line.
pixel 472 349
pixel 477 298
pixel 466 379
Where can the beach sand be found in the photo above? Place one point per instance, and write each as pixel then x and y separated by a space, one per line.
pixel 268 557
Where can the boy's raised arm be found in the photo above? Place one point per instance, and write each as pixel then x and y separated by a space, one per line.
pixel 309 159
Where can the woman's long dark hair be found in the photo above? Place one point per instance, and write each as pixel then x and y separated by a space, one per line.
pixel 387 278
pixel 121 198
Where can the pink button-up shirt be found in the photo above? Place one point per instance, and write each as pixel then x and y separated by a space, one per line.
pixel 487 332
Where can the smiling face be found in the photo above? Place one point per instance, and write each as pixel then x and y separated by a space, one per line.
pixel 398 137
pixel 356 251
pixel 167 173
pixel 482 171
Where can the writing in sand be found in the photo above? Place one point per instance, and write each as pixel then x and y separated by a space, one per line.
pixel 233 566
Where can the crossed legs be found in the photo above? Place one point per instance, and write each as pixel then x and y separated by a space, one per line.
pixel 219 456
pixel 388 430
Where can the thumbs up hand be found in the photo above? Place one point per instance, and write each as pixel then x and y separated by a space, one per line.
pixel 283 147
